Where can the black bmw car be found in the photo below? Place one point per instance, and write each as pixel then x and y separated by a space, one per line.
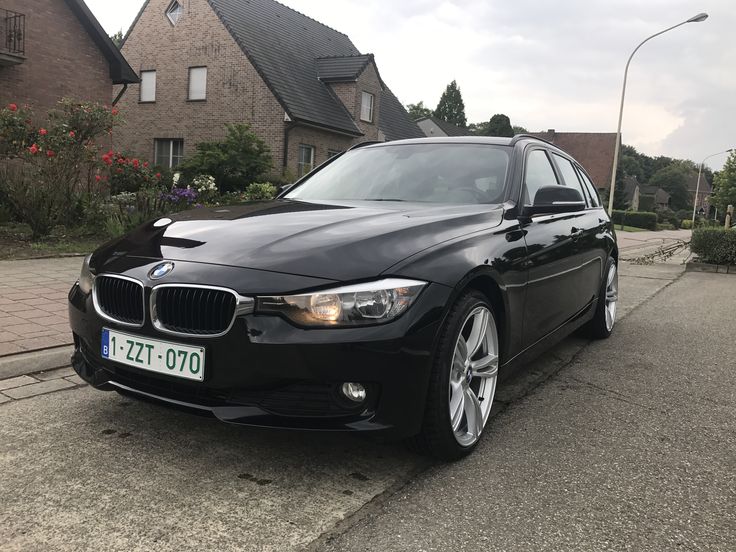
pixel 382 292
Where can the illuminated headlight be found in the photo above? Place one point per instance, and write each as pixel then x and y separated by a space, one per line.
pixel 86 278
pixel 360 304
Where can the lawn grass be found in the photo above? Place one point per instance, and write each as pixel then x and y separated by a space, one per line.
pixel 15 242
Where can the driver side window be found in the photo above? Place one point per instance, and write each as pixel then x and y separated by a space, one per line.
pixel 538 173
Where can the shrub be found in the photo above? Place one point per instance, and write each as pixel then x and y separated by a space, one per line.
pixel 48 170
pixel 686 224
pixel 665 226
pixel 238 160
pixel 637 219
pixel 714 245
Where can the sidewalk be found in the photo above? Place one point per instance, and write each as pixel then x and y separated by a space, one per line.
pixel 33 311
pixel 631 244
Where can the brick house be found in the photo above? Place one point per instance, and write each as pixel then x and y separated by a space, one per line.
pixel 593 150
pixel 51 49
pixel 303 87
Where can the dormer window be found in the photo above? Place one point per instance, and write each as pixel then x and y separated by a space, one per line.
pixel 174 12
pixel 366 107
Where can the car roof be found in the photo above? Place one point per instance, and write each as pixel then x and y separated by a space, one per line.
pixel 490 140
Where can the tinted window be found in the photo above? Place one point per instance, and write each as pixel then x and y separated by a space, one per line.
pixel 434 173
pixel 592 191
pixel 539 172
pixel 569 175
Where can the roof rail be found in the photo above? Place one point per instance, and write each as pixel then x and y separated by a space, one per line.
pixel 518 137
pixel 363 144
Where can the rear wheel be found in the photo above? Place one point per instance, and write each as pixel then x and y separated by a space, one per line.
pixel 463 380
pixel 601 326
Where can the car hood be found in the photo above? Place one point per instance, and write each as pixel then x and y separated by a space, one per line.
pixel 336 240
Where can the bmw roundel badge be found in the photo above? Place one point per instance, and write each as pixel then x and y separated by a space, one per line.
pixel 161 270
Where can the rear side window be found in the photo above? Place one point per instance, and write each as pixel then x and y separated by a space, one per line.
pixel 569 175
pixel 538 173
pixel 595 200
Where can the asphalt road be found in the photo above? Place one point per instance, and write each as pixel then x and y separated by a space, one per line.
pixel 625 443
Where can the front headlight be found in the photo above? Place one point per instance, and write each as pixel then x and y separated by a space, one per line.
pixel 86 278
pixel 360 304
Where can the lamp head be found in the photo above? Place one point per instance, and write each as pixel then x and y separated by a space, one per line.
pixel 698 18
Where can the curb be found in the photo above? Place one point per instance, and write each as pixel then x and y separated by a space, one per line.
pixel 693 266
pixel 21 364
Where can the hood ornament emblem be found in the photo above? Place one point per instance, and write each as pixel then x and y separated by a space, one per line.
pixel 161 270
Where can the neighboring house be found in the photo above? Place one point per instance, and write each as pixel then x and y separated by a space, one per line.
pixel 632 191
pixel 647 198
pixel 51 49
pixel 704 192
pixel 303 87
pixel 593 150
pixel 432 126
pixel 657 197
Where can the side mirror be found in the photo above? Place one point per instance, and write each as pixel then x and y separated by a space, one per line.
pixel 555 199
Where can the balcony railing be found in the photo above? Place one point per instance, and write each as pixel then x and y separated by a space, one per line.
pixel 12 33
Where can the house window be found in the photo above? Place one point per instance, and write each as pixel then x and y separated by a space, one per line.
pixel 332 153
pixel 306 159
pixel 197 83
pixel 168 152
pixel 174 12
pixel 366 107
pixel 148 86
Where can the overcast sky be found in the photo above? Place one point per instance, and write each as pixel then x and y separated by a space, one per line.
pixel 548 64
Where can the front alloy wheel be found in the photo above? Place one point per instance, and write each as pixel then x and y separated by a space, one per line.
pixel 462 381
pixel 473 376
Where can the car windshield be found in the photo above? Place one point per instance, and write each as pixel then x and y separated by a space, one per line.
pixel 433 173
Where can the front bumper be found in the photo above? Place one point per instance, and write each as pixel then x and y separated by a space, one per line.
pixel 267 372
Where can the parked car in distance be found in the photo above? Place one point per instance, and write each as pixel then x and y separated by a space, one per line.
pixel 383 292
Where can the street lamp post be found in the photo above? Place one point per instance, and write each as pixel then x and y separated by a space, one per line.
pixel 696 19
pixel 700 171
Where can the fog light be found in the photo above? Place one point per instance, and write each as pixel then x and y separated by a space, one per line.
pixel 353 391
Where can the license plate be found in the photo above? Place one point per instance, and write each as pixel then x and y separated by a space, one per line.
pixel 164 357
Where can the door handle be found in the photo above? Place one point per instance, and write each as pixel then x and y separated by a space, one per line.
pixel 576 233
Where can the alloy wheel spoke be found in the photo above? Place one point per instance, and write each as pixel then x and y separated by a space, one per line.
pixel 461 353
pixel 473 413
pixel 477 332
pixel 486 367
pixel 611 295
pixel 457 406
pixel 611 276
pixel 609 318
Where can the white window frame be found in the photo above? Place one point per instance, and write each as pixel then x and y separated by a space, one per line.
pixel 200 93
pixel 170 144
pixel 367 104
pixel 148 86
pixel 169 14
pixel 301 164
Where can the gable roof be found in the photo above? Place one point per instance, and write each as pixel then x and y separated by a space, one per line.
pixel 284 46
pixel 393 120
pixel 448 128
pixel 692 184
pixel 120 71
pixel 342 68
pixel 593 150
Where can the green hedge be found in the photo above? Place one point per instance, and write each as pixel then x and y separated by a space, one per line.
pixel 714 245
pixel 638 219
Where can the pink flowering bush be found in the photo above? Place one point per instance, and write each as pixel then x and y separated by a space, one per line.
pixel 47 170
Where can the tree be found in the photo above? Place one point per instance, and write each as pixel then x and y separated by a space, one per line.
pixel 418 110
pixel 519 130
pixel 500 125
pixel 724 184
pixel 451 107
pixel 117 39
pixel 238 160
pixel 673 179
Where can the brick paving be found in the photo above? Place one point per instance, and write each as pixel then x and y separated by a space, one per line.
pixel 33 311
pixel 23 387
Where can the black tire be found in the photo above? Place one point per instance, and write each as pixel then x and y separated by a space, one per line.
pixel 597 327
pixel 436 437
